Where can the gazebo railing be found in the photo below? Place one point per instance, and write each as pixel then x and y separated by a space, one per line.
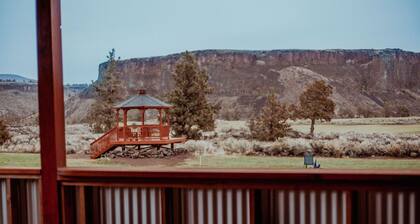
pixel 140 132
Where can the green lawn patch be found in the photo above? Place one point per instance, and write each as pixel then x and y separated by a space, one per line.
pixel 297 162
pixel 33 160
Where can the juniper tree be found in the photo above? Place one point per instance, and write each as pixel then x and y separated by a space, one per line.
pixel 4 133
pixel 271 123
pixel 108 91
pixel 403 111
pixel 316 104
pixel 192 113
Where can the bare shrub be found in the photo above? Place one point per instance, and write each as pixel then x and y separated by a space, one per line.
pixel 327 136
pixel 283 147
pixel 345 113
pixel 236 146
pixel 322 148
pixel 230 113
pixel 277 148
pixel 201 147
pixel 366 112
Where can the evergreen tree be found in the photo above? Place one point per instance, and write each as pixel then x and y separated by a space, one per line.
pixel 4 133
pixel 271 122
pixel 403 111
pixel 108 91
pixel 315 103
pixel 192 113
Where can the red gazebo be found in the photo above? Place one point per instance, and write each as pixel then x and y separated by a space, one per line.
pixel 141 132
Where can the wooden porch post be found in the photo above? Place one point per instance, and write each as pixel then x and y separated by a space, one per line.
pixel 125 124
pixel 142 116
pixel 51 105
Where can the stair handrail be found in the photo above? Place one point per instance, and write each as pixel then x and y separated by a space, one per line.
pixel 103 135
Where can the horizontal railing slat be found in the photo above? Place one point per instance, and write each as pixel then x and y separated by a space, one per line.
pixel 17 172
pixel 105 195
pixel 244 178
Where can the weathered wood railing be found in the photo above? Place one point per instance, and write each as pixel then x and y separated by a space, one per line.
pixel 240 196
pixel 19 195
pixel 216 196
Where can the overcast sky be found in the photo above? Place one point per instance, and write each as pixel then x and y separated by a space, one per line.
pixel 143 28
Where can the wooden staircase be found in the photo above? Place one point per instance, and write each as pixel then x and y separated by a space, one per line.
pixel 106 142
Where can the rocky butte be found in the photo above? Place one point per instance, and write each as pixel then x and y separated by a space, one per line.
pixel 365 78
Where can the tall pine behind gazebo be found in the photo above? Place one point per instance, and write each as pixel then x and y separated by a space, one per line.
pixel 142 134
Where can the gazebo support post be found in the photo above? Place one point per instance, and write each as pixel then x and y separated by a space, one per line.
pixel 160 124
pixel 117 119
pixel 125 125
pixel 168 121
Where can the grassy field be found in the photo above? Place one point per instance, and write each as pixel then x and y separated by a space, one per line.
pixel 32 160
pixel 410 125
pixel 362 128
pixel 297 162
pixel 390 126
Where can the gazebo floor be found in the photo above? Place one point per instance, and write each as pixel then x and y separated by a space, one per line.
pixel 151 141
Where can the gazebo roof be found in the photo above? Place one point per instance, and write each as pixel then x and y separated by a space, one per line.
pixel 142 100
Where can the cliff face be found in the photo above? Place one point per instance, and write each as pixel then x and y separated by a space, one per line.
pixel 361 78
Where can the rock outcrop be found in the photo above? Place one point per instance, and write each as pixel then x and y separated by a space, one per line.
pixel 361 78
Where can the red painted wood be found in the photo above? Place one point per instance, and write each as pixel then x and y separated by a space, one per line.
pixel 117 119
pixel 125 125
pixel 51 104
pixel 20 172
pixel 110 139
pixel 249 178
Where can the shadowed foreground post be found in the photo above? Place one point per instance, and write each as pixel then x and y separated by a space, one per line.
pixel 51 105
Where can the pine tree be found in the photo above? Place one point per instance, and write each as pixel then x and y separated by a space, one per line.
pixel 315 103
pixel 192 113
pixel 271 122
pixel 4 133
pixel 108 91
